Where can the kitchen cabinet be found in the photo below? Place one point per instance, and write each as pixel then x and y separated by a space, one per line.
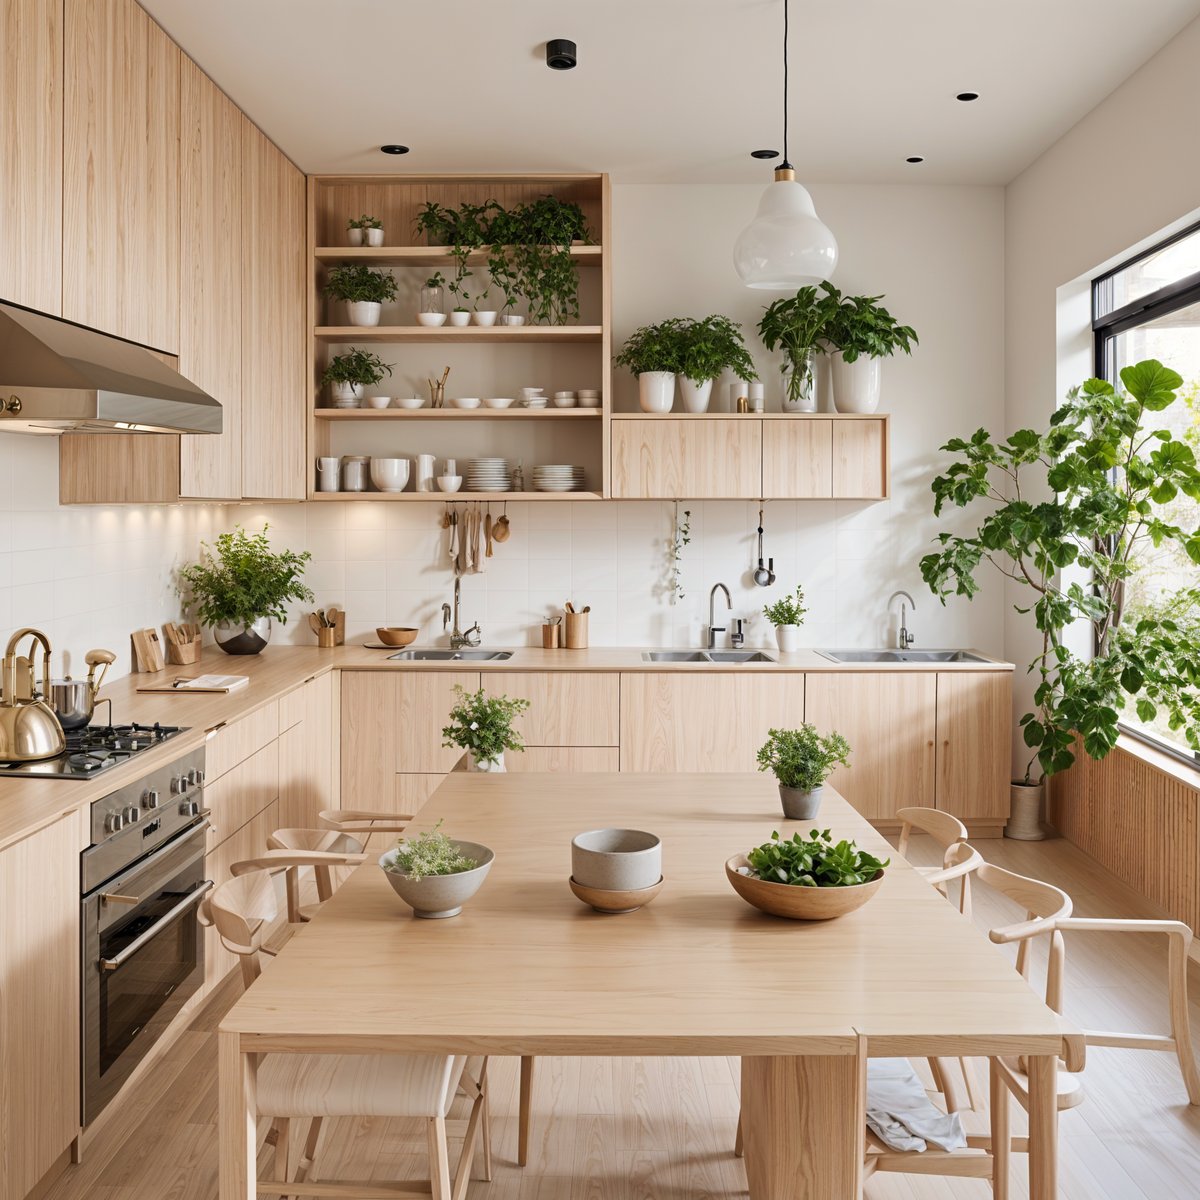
pixel 244 792
pixel 306 753
pixel 566 708
pixel 39 1001
pixel 31 99
pixel 889 719
pixel 692 721
pixel 860 463
pixel 565 758
pixel 121 173
pixel 234 743
pixel 685 459
pixel 974 716
pixel 797 462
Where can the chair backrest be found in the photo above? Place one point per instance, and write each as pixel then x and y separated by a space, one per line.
pixel 328 840
pixel 959 862
pixel 943 827
pixel 243 910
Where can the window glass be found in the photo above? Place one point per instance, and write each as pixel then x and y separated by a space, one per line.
pixel 1160 268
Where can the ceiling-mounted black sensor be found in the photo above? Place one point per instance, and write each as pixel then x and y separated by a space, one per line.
pixel 561 54
pixel 393 148
pixel 764 153
pixel 916 158
pixel 967 96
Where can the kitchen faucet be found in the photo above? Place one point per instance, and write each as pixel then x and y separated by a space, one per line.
pixel 714 629
pixel 904 638
pixel 473 636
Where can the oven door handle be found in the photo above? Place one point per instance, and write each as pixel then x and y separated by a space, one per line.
pixel 189 901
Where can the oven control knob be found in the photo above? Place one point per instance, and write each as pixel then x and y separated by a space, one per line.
pixel 194 778
pixel 150 798
pixel 132 814
pixel 189 808
pixel 114 823
pixel 179 785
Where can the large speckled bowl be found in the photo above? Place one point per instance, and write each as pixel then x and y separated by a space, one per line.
pixel 438 896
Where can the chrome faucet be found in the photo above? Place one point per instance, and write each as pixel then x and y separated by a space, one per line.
pixel 904 639
pixel 458 639
pixel 714 629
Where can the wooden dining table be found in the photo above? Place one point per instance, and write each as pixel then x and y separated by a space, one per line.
pixel 526 969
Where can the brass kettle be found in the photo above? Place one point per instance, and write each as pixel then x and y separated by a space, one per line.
pixel 29 730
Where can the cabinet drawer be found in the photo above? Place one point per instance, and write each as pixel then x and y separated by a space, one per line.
pixel 294 705
pixel 234 798
pixel 681 459
pixel 566 708
pixel 235 743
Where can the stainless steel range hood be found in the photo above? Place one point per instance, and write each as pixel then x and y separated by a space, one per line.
pixel 56 376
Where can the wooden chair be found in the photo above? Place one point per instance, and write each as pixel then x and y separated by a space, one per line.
pixel 316 1086
pixel 949 833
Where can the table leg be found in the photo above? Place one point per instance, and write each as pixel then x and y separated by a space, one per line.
pixel 803 1126
pixel 239 1119
pixel 1043 1127
pixel 523 1109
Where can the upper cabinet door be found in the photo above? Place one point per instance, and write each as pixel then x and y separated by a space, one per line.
pixel 121 173
pixel 31 101
pixel 798 459
pixel 210 466
pixel 686 459
pixel 860 458
pixel 273 322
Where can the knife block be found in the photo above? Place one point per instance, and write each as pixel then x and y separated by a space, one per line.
pixel 181 654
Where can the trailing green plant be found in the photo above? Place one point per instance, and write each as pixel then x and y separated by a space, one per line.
pixel 240 579
pixel 681 537
pixel 860 325
pixel 787 610
pixel 1083 496
pixel 364 222
pixel 653 348
pixel 802 758
pixel 713 345
pixel 356 367
pixel 815 862
pixel 431 852
pixel 436 280
pixel 796 324
pixel 355 282
pixel 483 724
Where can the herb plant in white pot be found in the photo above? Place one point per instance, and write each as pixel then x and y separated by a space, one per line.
pixel 863 334
pixel 787 614
pixel 349 375
pixel 364 231
pixel 364 291
pixel 482 725
pixel 707 348
pixel 801 761
pixel 653 354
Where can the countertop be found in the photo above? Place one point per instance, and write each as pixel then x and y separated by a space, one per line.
pixel 27 805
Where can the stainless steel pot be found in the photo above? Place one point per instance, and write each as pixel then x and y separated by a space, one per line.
pixel 74 700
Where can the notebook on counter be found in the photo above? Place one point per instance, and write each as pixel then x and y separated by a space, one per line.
pixel 199 683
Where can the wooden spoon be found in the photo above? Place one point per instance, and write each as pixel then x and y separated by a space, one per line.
pixel 314 624
pixel 487 533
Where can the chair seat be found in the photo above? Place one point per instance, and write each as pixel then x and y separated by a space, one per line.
pixel 1068 1086
pixel 358 1085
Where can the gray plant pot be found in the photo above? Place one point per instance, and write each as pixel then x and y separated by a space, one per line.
pixel 250 639
pixel 437 896
pixel 800 805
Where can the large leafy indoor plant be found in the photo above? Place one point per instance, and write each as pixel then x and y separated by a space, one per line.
pixel 796 325
pixel 482 725
pixel 707 348
pixel 861 333
pixel 801 760
pixel 1068 510
pixel 240 585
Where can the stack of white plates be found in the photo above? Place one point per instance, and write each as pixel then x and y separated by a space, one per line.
pixel 488 475
pixel 557 478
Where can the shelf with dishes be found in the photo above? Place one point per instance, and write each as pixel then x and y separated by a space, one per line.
pixel 456 414
pixel 495 335
pixel 431 256
pixel 454 497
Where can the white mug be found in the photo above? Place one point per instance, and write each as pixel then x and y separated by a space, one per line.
pixel 425 473
pixel 328 470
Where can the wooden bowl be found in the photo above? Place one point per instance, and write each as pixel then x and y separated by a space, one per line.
pixel 798 903
pixel 604 901
pixel 396 635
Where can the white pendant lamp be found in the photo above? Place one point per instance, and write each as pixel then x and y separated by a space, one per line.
pixel 786 246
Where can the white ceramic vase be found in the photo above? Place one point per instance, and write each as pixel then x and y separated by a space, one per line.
pixel 695 395
pixel 856 384
pixel 656 391
pixel 346 395
pixel 364 312
pixel 1025 812
pixel 788 637
pixel 374 237
pixel 492 765
pixel 354 237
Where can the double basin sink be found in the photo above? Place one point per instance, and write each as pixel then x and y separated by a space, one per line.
pixel 713 656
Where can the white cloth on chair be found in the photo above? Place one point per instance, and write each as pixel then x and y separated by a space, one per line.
pixel 900 1112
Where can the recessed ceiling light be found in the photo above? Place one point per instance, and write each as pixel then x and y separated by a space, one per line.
pixel 394 148
pixel 965 96
pixel 916 158
pixel 764 153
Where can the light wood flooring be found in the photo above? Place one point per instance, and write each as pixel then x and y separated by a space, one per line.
pixel 662 1129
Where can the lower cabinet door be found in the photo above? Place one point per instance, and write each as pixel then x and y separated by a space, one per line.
pixel 306 754
pixel 974 716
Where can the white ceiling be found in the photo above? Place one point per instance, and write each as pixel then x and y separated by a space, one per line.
pixel 671 91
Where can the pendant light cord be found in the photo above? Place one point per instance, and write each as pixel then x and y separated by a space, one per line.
pixel 785 162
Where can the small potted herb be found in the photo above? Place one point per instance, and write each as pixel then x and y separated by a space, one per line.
pixel 436 875
pixel 809 879
pixel 862 334
pixel 654 354
pixel 796 325
pixel 363 290
pixel 708 348
pixel 240 584
pixel 431 313
pixel 801 760
pixel 349 375
pixel 786 615
pixel 365 231
pixel 482 725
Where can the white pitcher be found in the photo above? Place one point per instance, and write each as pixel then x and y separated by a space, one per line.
pixel 425 473
pixel 328 472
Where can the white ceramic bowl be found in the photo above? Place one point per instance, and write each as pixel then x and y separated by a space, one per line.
pixel 449 483
pixel 378 401
pixel 616 860
pixel 533 391
pixel 460 319
pixel 440 895
pixel 389 474
pixel 485 318
pixel 466 402
pixel 564 401
pixel 410 401
pixel 498 401
pixel 589 401
pixel 432 320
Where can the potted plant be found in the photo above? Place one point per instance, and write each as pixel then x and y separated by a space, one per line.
pixel 349 375
pixel 654 354
pixel 709 347
pixel 795 325
pixel 363 290
pixel 862 334
pixel 545 272
pixel 436 875
pixel 1054 502
pixel 431 313
pixel 801 760
pixel 239 585
pixel 787 615
pixel 482 725
pixel 485 317
pixel 365 230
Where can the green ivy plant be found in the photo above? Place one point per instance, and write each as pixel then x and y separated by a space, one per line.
pixel 355 282
pixel 431 852
pixel 356 367
pixel 653 348
pixel 787 610
pixel 241 579
pixel 796 325
pixel 712 345
pixel 802 758
pixel 483 724
pixel 860 325
pixel 364 222
pixel 817 862
pixel 1083 496
pixel 681 537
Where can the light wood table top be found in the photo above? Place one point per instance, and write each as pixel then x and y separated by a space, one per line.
pixel 527 969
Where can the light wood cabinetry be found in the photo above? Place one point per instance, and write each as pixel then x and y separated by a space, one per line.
pixel 31 101
pixel 39 1001
pixel 797 461
pixel 306 753
pixel 121 173
pixel 974 715
pixel 566 708
pixel 860 459
pixel 233 744
pixel 565 758
pixel 890 722
pixel 244 791
pixel 681 459
pixel 699 722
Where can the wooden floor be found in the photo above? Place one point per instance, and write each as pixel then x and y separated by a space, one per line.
pixel 662 1129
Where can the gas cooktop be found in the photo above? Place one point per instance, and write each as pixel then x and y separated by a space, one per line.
pixel 93 750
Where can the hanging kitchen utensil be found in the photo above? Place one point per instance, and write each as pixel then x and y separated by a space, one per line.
pixel 487 532
pixel 763 576
pixel 501 530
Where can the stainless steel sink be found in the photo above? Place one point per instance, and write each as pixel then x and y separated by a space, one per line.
pixel 900 656
pixel 706 656
pixel 452 655
pixel 737 656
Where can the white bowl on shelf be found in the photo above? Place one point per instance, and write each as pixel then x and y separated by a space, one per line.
pixel 589 401
pixel 378 401
pixel 460 317
pixel 466 402
pixel 410 402
pixel 564 401
pixel 449 483
pixel 390 474
pixel 431 320
pixel 498 401
pixel 485 317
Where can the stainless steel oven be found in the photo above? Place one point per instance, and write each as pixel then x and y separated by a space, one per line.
pixel 143 949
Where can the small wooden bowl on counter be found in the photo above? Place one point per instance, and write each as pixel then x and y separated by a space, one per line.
pixel 798 903
pixel 396 635
pixel 613 902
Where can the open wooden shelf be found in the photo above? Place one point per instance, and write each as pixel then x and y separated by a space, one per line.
pixel 455 497
pixel 430 256
pixel 457 414
pixel 465 334
pixel 677 415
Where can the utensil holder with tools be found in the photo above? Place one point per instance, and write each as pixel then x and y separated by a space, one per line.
pixel 329 626
pixel 576 627
pixel 182 642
